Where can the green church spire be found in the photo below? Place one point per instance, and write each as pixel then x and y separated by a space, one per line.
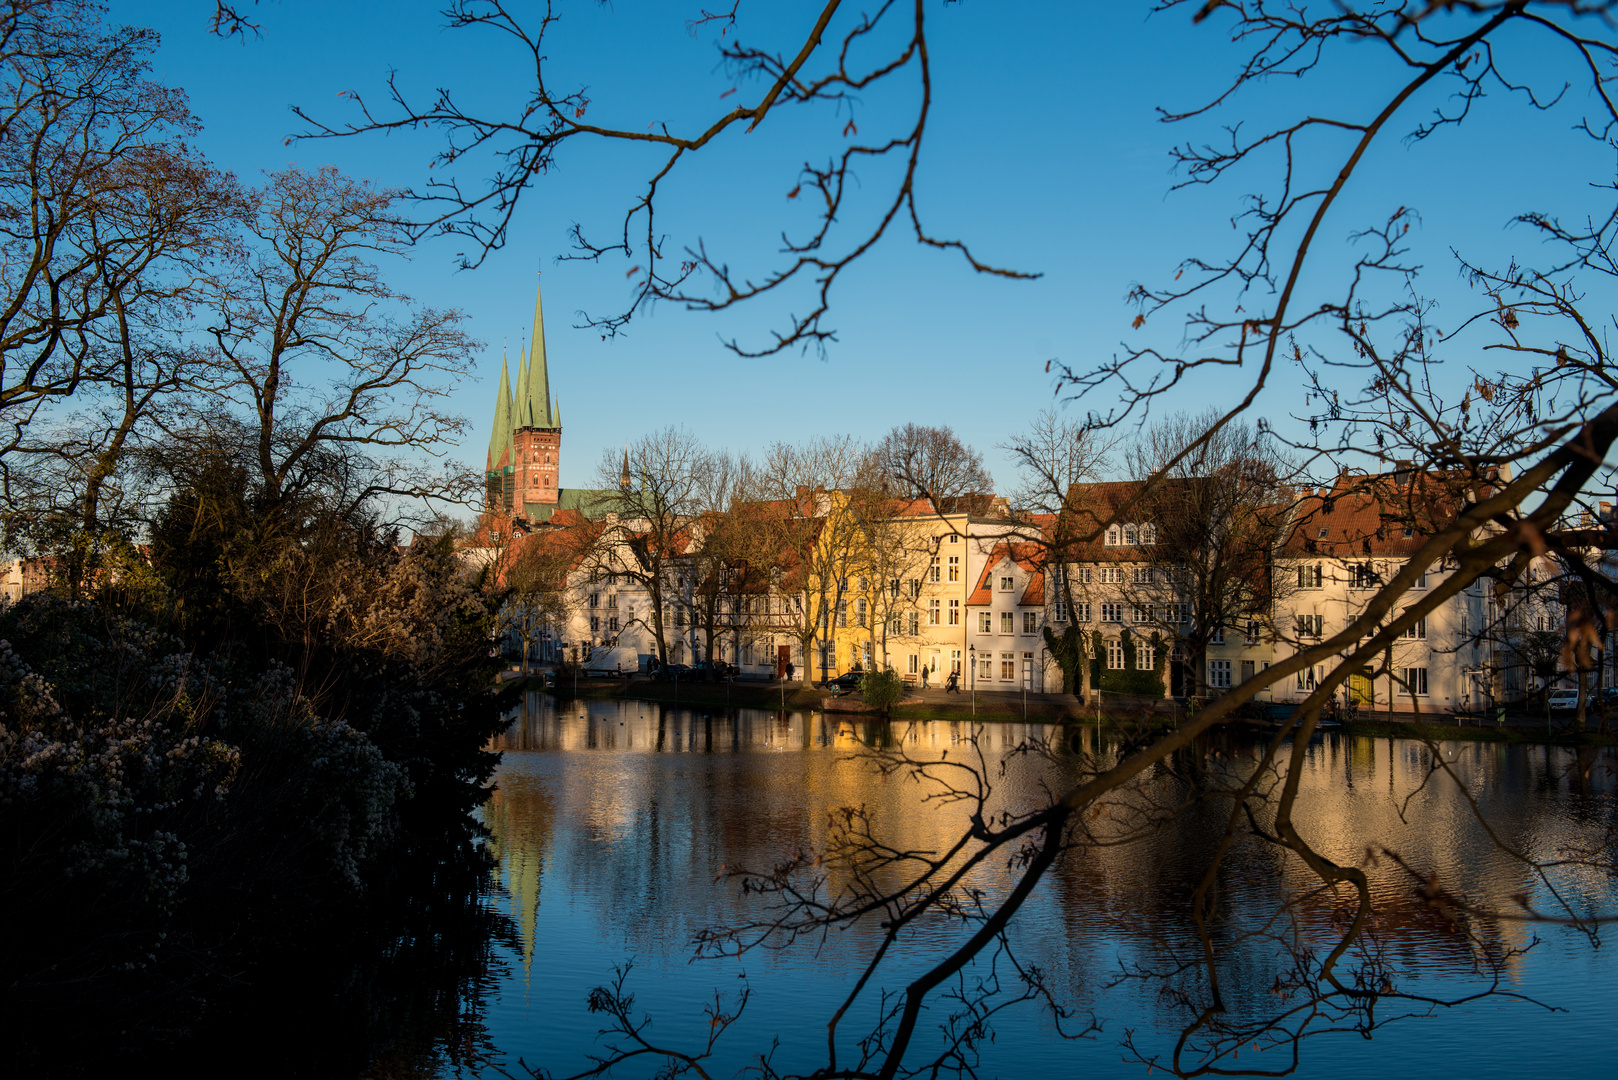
pixel 500 438
pixel 534 384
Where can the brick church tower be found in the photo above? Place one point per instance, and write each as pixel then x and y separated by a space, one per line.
pixel 523 471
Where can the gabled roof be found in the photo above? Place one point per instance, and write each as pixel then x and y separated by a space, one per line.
pixel 1362 517
pixel 1031 557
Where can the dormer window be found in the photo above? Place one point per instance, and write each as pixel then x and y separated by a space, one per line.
pixel 1148 534
pixel 1324 532
pixel 1007 584
pixel 1131 536
pixel 1114 534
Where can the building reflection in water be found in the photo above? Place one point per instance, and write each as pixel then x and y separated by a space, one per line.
pixel 612 820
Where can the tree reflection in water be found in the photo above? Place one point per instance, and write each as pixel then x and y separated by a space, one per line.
pixel 614 818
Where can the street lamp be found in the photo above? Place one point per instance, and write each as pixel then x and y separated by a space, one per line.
pixel 972 658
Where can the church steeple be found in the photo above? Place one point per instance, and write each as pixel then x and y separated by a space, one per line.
pixel 534 404
pixel 500 454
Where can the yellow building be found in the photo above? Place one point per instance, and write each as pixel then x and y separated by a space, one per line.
pixel 904 604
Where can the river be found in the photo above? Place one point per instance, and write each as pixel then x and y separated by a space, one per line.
pixel 612 821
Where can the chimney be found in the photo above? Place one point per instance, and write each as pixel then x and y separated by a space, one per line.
pixel 1606 511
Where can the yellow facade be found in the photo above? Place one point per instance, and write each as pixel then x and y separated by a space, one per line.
pixel 924 624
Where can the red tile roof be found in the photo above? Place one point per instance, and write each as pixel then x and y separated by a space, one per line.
pixel 1031 557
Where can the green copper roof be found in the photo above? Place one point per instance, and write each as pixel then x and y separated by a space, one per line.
pixel 534 384
pixel 500 444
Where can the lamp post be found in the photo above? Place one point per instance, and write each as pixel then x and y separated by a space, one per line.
pixel 972 658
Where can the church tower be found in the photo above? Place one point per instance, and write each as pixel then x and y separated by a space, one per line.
pixel 525 449
pixel 536 426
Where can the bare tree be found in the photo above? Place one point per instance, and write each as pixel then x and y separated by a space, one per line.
pixel 540 596
pixel 657 488
pixel 344 379
pixel 1217 517
pixel 802 525
pixel 1056 457
pixel 827 69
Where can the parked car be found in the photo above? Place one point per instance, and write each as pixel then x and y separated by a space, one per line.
pixel 1562 700
pixel 847 683
pixel 675 671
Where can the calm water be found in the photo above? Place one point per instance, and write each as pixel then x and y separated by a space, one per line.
pixel 613 819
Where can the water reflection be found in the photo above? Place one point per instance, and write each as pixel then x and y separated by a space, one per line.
pixel 612 820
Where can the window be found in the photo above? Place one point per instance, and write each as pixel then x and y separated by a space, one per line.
pixel 859 612
pixel 1008 667
pixel 912 663
pixel 1148 534
pixel 985 623
pixel 1217 637
pixel 1421 580
pixel 612 623
pixel 1251 638
pixel 842 613
pixel 1115 655
pixel 1416 681
pixel 1420 629
pixel 1324 532
pixel 1111 612
pixel 1364 576
pixel 1081 575
pixel 1114 534
pixel 915 588
pixel 1143 614
pixel 933 571
pixel 595 599
pixel 612 600
pixel 893 588
pixel 986 668
pixel 1061 611
pixel 955 538
pixel 1247 670
pixel 1008 584
pixel 1219 674
pixel 863 584
pixel 595 623
pixel 1131 536
pixel 896 625
pixel 915 623
pixel 1409 532
pixel 1310 577
pixel 1310 625
pixel 1144 575
pixel 1008 622
pixel 1028 669
pixel 955 613
pixel 1081 611
pixel 1145 656
pixel 1112 575
pixel 1306 679
pixel 1030 623
pixel 1179 614
pixel 955 568
pixel 933 607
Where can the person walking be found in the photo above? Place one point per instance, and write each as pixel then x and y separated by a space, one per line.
pixel 924 676
pixel 790 669
pixel 952 685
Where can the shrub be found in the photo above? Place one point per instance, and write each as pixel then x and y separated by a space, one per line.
pixel 883 689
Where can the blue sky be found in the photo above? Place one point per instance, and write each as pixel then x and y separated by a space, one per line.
pixel 1044 152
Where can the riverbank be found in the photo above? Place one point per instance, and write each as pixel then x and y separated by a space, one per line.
pixel 1006 706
